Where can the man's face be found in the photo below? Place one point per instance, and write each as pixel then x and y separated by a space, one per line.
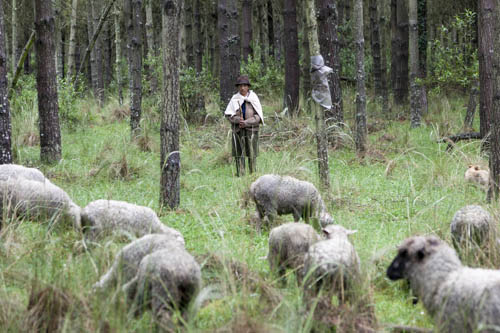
pixel 243 89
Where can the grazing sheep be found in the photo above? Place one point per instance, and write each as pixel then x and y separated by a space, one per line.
pixel 459 298
pixel 476 174
pixel 288 245
pixel 332 263
pixel 167 280
pixel 35 199
pixel 471 225
pixel 8 171
pixel 104 217
pixel 127 261
pixel 277 195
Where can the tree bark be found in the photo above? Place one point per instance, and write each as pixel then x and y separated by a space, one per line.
pixel 361 131
pixel 321 137
pixel 384 32
pixel 246 18
pixel 394 44
pixel 264 44
pixel 422 51
pixel 118 56
pixel 134 32
pixel 48 107
pixel 5 124
pixel 152 49
pixel 375 47
pixel 292 69
pixel 415 107
pixel 170 154
pixel 229 48
pixel 485 55
pixel 20 63
pixel 305 55
pixel 494 188
pixel 188 26
pixel 98 70
pixel 72 41
pixel 14 35
pixel 59 40
pixel 471 107
pixel 198 60
pixel 401 88
pixel 278 28
pixel 330 49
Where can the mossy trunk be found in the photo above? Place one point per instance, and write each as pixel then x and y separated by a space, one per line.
pixel 5 123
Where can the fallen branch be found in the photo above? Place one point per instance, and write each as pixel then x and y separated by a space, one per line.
pixel 452 140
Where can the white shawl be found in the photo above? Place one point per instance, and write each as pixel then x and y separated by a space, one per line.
pixel 237 100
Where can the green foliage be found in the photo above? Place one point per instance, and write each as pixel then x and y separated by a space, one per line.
pixel 453 64
pixel 70 112
pixel 192 86
pixel 268 81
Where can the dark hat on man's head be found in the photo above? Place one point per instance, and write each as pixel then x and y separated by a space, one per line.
pixel 243 79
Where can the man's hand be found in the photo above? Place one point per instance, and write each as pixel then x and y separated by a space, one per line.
pixel 242 123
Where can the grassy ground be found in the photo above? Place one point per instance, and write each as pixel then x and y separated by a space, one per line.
pixel 407 184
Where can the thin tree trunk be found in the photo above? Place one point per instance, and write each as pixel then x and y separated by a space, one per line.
pixel 415 107
pixel 384 32
pixel 188 24
pixel 72 40
pixel 153 50
pixel 485 32
pixel 98 70
pixel 305 55
pixel 422 52
pixel 59 42
pixel 277 28
pixel 170 154
pixel 20 63
pixel 229 48
pixel 270 28
pixel 48 107
pixel 375 47
pixel 198 59
pixel 494 189
pixel 118 50
pixel 246 18
pixel 14 35
pixel 213 42
pixel 402 83
pixel 292 69
pixel 321 137
pixel 394 44
pixel 5 124
pixel 361 132
pixel 264 45
pixel 471 107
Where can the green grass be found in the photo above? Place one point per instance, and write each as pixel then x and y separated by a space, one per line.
pixel 419 195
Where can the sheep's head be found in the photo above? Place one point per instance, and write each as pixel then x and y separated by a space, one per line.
pixel 412 251
pixel 326 219
pixel 335 230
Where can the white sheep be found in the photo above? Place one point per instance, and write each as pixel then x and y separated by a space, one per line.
pixel 471 225
pixel 288 245
pixel 38 200
pixel 104 217
pixel 277 195
pixel 167 280
pixel 8 171
pixel 478 175
pixel 332 264
pixel 459 298
pixel 126 263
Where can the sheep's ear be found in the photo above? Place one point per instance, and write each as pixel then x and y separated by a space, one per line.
pixel 325 231
pixel 350 232
pixel 476 168
pixel 470 166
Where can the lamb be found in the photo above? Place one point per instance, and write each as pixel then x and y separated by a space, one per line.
pixel 332 263
pixel 126 263
pixel 471 225
pixel 288 245
pixel 478 175
pixel 274 194
pixel 102 217
pixel 8 171
pixel 459 298
pixel 37 200
pixel 167 280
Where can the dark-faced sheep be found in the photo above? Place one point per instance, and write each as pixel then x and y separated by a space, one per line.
pixel 278 195
pixel 459 298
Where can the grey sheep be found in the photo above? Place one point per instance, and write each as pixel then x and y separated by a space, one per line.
pixel 332 264
pixel 288 245
pixel 104 217
pixel 8 171
pixel 167 280
pixel 459 298
pixel 35 199
pixel 471 225
pixel 126 263
pixel 278 195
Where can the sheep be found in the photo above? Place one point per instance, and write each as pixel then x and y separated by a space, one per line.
pixel 288 245
pixel 8 171
pixel 166 280
pixel 459 298
pixel 471 225
pixel 35 199
pixel 126 263
pixel 476 174
pixel 274 194
pixel 332 263
pixel 103 217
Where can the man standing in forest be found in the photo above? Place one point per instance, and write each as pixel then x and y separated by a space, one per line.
pixel 244 111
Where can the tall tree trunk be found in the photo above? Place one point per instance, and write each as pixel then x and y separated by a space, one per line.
pixel 5 125
pixel 361 131
pixel 213 41
pixel 485 34
pixel 246 18
pixel 134 32
pixel 48 107
pixel 188 24
pixel 264 44
pixel 152 49
pixel 14 36
pixel 94 71
pixel 278 28
pixel 384 33
pixel 330 49
pixel 305 56
pixel 422 51
pixel 270 28
pixel 59 39
pixel 72 40
pixel 198 60
pixel 229 48
pixel 292 69
pixel 394 45
pixel 401 84
pixel 321 137
pixel 98 51
pixel 471 106
pixel 375 47
pixel 170 154
pixel 494 189
pixel 118 50
pixel 415 107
